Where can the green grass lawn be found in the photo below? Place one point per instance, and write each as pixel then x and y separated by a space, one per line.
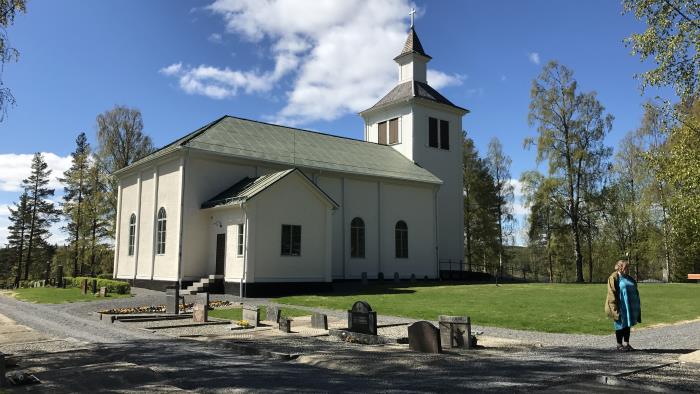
pixel 563 308
pixel 236 313
pixel 51 295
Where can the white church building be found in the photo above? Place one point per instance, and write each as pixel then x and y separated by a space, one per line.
pixel 266 208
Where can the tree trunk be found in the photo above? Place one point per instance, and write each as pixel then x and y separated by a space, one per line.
pixel 576 233
pixel 32 224
pixel 20 254
pixel 590 255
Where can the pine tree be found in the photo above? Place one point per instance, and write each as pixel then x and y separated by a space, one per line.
pixel 19 233
pixel 97 211
pixel 75 180
pixel 41 211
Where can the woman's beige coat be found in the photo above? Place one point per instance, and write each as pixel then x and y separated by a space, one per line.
pixel 612 309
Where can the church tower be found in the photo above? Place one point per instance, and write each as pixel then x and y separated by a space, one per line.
pixel 424 126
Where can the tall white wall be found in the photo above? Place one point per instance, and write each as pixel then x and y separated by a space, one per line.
pixel 143 193
pixel 446 165
pixel 226 221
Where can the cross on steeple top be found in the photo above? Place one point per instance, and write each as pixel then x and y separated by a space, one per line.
pixel 412 14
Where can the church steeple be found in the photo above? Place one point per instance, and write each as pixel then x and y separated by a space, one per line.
pixel 413 61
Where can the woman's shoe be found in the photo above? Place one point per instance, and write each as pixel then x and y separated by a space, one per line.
pixel 620 348
pixel 628 348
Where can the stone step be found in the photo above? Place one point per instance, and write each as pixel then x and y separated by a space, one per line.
pixel 214 277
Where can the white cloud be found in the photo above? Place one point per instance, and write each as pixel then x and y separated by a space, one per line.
pixel 519 208
pixel 4 210
pixel 504 78
pixel 335 55
pixel 16 167
pixel 215 38
pixel 439 80
pixel 534 57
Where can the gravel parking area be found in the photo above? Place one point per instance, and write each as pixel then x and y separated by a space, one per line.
pixel 512 360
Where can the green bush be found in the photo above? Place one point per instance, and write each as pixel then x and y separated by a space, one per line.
pixel 113 286
pixel 104 276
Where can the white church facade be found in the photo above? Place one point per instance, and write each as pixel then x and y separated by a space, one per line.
pixel 265 208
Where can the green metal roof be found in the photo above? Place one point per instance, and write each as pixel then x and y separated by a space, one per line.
pixel 297 148
pixel 247 188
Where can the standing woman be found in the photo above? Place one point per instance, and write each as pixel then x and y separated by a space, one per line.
pixel 622 303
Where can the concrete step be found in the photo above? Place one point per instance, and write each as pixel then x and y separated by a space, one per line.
pixel 214 277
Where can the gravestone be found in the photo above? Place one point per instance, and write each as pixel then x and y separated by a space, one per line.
pixel 42 283
pixel 273 313
pixel 83 286
pixel 424 337
pixel 94 286
pixel 3 382
pixel 172 299
pixel 397 279
pixel 251 314
pixel 285 325
pixel 200 313
pixel 380 276
pixel 103 291
pixel 59 276
pixel 64 283
pixel 362 319
pixel 413 278
pixel 202 298
pixel 364 279
pixel 319 320
pixel 455 331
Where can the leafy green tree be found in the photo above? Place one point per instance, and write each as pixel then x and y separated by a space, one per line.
pixel 42 212
pixel 571 130
pixel 75 181
pixel 19 233
pixel 671 39
pixel 121 142
pixel 8 11
pixel 498 164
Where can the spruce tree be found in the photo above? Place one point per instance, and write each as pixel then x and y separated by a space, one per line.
pixel 19 233
pixel 97 210
pixel 41 211
pixel 75 180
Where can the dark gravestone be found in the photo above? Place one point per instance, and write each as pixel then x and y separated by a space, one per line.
pixel 380 276
pixel 94 286
pixel 319 320
pixel 413 278
pixel 455 331
pixel 424 337
pixel 285 325
pixel 273 313
pixel 172 298
pixel 3 383
pixel 251 314
pixel 83 286
pixel 397 279
pixel 362 319
pixel 59 276
pixel 364 279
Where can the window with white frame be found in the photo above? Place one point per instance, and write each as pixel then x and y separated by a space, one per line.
pixel 161 231
pixel 240 240
pixel 438 133
pixel 132 233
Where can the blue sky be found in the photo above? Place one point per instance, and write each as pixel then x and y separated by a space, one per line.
pixel 313 64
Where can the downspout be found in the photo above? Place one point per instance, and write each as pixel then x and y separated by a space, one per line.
pixel 437 254
pixel 183 168
pixel 246 232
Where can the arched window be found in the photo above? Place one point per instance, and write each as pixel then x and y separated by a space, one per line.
pixel 160 231
pixel 132 233
pixel 357 238
pixel 401 235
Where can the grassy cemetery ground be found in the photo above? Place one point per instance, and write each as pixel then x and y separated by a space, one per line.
pixel 52 295
pixel 236 313
pixel 562 308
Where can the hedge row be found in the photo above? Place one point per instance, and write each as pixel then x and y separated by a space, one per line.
pixel 113 286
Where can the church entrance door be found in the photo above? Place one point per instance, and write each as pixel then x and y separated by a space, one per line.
pixel 220 253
